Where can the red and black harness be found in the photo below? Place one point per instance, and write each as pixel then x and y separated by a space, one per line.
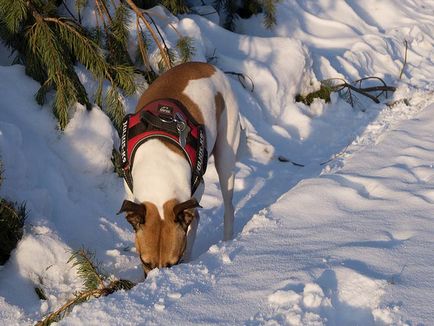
pixel 170 120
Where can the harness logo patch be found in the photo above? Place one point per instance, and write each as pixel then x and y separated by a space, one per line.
pixel 166 110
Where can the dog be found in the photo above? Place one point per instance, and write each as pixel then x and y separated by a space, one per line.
pixel 161 196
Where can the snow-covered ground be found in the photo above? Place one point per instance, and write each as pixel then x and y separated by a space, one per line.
pixel 347 239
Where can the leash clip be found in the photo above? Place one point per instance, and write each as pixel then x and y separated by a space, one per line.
pixel 182 128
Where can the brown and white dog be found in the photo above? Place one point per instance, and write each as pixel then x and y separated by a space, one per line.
pixel 161 209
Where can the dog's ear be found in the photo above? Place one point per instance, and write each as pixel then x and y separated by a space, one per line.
pixel 185 212
pixel 135 213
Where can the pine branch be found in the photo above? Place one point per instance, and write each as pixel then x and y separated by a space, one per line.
pixel 12 219
pixel 64 309
pixel 186 48
pixel 86 50
pixel 123 77
pixel 113 101
pixel 86 269
pixel 175 6
pixel 13 13
pixel 117 37
pixel 44 44
pixel 94 283
pixel 269 7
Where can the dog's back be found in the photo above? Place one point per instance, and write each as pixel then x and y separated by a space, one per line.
pixel 203 90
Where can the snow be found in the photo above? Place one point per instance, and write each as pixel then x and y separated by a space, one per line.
pixel 344 240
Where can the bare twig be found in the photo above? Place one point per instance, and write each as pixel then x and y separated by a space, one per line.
pixel 139 14
pixel 159 33
pixel 287 160
pixel 142 47
pixel 341 153
pixel 405 59
pixel 242 79
pixel 70 12
pixel 365 91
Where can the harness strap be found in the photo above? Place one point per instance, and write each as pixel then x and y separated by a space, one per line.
pixel 163 119
pixel 159 123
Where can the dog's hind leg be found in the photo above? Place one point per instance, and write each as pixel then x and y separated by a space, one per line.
pixel 225 153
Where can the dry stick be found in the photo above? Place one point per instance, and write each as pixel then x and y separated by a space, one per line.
pixel 149 27
pixel 405 59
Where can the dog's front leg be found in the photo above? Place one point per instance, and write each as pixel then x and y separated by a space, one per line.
pixel 191 237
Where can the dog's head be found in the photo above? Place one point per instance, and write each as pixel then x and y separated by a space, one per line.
pixel 160 241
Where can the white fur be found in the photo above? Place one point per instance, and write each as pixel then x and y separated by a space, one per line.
pixel 159 174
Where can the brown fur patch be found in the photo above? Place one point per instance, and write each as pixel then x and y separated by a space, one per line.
pixel 172 83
